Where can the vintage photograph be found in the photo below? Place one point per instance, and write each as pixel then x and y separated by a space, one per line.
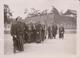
pixel 40 27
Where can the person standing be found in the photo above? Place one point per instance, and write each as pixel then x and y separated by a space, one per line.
pixel 43 32
pixel 38 33
pixel 17 31
pixel 34 33
pixel 54 30
pixel 30 33
pixel 61 31
pixel 49 32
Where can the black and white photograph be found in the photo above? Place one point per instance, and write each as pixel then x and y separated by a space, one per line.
pixel 44 27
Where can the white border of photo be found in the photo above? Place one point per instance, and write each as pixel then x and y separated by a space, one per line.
pixel 24 55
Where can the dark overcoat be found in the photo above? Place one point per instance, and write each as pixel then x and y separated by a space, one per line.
pixel 17 29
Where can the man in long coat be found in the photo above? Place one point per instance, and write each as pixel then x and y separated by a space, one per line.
pixel 26 34
pixel 38 33
pixel 43 32
pixel 54 30
pixel 61 31
pixel 17 32
pixel 33 33
pixel 49 32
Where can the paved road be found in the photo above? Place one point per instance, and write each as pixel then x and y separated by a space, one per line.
pixel 49 46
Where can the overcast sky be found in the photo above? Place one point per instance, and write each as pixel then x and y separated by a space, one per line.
pixel 18 6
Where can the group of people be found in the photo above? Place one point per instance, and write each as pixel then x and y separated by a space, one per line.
pixel 53 30
pixel 27 33
pixel 34 33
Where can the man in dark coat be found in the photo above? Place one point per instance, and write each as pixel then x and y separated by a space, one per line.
pixel 49 32
pixel 26 34
pixel 43 32
pixel 30 32
pixel 61 32
pixel 38 33
pixel 17 32
pixel 33 33
pixel 54 30
pixel 14 35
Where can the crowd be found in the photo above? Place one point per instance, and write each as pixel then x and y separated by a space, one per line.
pixel 27 33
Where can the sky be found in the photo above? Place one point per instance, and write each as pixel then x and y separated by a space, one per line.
pixel 18 6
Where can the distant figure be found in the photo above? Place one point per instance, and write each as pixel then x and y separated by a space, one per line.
pixel 61 31
pixel 38 33
pixel 33 33
pixel 26 34
pixel 30 33
pixel 43 32
pixel 17 32
pixel 54 30
pixel 49 32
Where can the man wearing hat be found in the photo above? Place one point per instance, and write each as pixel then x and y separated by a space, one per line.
pixel 17 31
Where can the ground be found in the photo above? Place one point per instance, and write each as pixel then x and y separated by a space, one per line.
pixel 49 46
